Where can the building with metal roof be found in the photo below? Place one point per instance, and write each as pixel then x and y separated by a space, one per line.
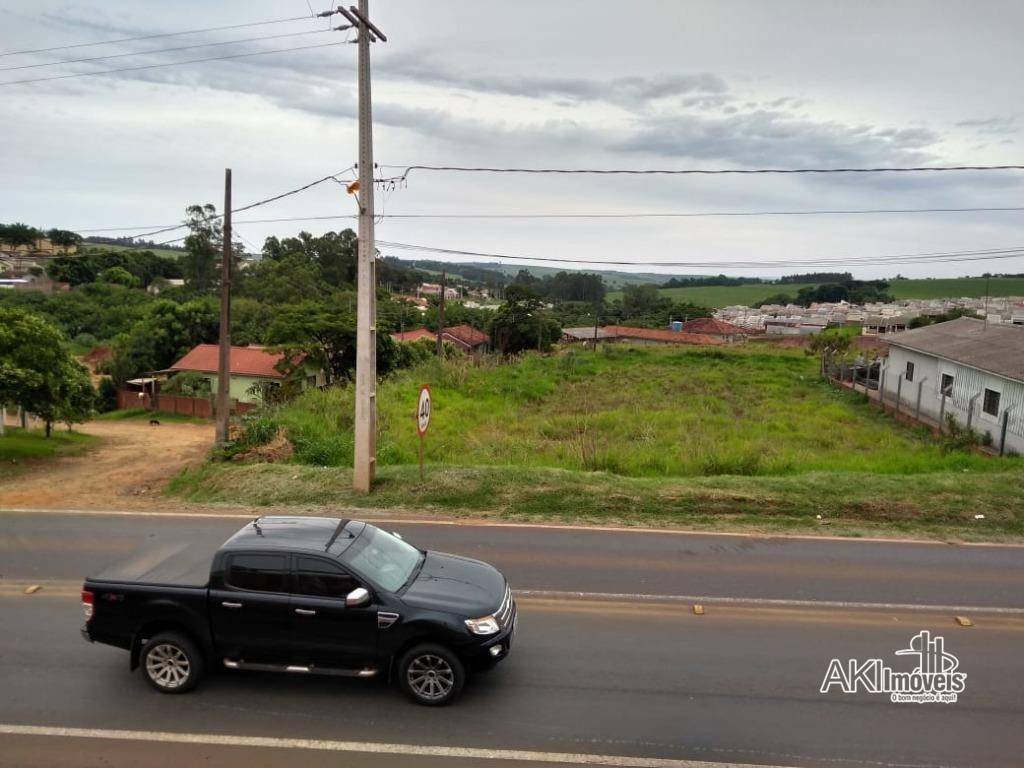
pixel 966 368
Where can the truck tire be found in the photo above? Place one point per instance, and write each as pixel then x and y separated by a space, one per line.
pixel 431 675
pixel 171 662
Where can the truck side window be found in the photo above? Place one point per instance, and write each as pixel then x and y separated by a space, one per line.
pixel 320 578
pixel 258 573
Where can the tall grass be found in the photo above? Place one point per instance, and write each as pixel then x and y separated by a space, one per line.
pixel 633 411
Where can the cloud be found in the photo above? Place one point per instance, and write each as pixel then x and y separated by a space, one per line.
pixel 992 125
pixel 422 67
pixel 777 138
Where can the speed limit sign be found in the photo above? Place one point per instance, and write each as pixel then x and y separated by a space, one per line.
pixel 423 420
pixel 423 410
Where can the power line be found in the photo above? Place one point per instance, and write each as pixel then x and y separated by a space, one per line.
pixel 969 255
pixel 666 215
pixel 250 206
pixel 171 64
pixel 166 50
pixel 699 171
pixel 153 37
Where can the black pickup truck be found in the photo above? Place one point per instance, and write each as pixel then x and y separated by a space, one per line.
pixel 305 595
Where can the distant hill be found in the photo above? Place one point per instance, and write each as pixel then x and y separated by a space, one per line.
pixel 716 296
pixel 158 250
pixel 612 278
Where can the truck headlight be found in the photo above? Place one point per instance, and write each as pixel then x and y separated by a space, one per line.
pixel 486 625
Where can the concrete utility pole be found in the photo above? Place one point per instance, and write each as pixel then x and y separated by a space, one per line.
pixel 224 358
pixel 366 284
pixel 440 314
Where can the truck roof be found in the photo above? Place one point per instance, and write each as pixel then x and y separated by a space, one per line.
pixel 315 534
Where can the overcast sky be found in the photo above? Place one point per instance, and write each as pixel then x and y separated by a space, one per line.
pixel 667 84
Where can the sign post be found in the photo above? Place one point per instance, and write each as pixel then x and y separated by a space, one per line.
pixel 422 420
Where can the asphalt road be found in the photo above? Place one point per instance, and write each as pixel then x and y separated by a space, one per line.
pixel 592 677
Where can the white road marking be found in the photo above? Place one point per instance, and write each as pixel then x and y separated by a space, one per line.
pixel 624 597
pixel 368 747
pixel 371 516
pixel 70 587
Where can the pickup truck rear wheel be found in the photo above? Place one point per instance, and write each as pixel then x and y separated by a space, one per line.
pixel 172 663
pixel 431 675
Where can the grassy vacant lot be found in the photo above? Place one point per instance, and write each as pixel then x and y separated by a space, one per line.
pixel 727 295
pixel 144 414
pixel 19 448
pixel 680 436
pixel 941 288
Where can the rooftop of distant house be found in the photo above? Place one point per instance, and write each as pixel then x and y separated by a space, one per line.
pixel 658 334
pixel 414 335
pixel 244 361
pixel 468 335
pixel 712 327
pixel 994 347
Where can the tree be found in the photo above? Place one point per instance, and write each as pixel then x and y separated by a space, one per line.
pixel 37 371
pixel 520 323
pixel 63 237
pixel 640 299
pixel 18 234
pixel 202 247
pixel 119 276
pixel 165 333
pixel 776 298
pixel 77 399
pixel 325 334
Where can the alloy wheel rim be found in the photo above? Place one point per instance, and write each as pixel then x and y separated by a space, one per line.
pixel 431 677
pixel 168 666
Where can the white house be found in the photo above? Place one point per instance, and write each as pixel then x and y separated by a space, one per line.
pixel 979 365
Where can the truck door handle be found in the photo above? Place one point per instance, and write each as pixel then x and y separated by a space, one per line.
pixel 305 611
pixel 231 605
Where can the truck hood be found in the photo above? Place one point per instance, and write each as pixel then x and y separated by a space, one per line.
pixel 456 584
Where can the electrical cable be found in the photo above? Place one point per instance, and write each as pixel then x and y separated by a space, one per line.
pixel 968 255
pixel 696 214
pixel 699 171
pixel 153 37
pixel 170 64
pixel 166 50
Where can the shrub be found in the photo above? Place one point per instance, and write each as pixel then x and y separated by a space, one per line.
pixel 106 395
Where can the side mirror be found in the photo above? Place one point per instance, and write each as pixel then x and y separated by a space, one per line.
pixel 357 597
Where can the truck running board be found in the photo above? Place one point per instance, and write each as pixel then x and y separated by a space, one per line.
pixel 309 670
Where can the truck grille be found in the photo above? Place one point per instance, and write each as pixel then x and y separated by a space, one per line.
pixel 506 609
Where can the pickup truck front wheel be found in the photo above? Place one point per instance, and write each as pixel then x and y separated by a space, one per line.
pixel 431 675
pixel 172 663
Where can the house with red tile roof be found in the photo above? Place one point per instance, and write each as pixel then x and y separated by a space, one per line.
pixel 251 369
pixel 659 336
pixel 467 338
pixel 415 335
pixel 720 329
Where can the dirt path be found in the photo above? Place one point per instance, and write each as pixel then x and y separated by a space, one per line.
pixel 126 471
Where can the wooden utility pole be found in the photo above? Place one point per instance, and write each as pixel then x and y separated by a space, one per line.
pixel 366 283
pixel 224 358
pixel 440 314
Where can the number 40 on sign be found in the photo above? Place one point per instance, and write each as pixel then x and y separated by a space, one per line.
pixel 422 419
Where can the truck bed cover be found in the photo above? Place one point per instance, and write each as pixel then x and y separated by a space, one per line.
pixel 170 563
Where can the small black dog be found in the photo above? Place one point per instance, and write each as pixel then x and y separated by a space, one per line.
pixel 154 422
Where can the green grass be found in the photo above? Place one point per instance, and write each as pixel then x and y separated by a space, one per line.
pixel 717 296
pixel 20 448
pixel 944 288
pixel 680 436
pixel 143 413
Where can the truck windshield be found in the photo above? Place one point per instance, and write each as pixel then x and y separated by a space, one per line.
pixel 383 558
